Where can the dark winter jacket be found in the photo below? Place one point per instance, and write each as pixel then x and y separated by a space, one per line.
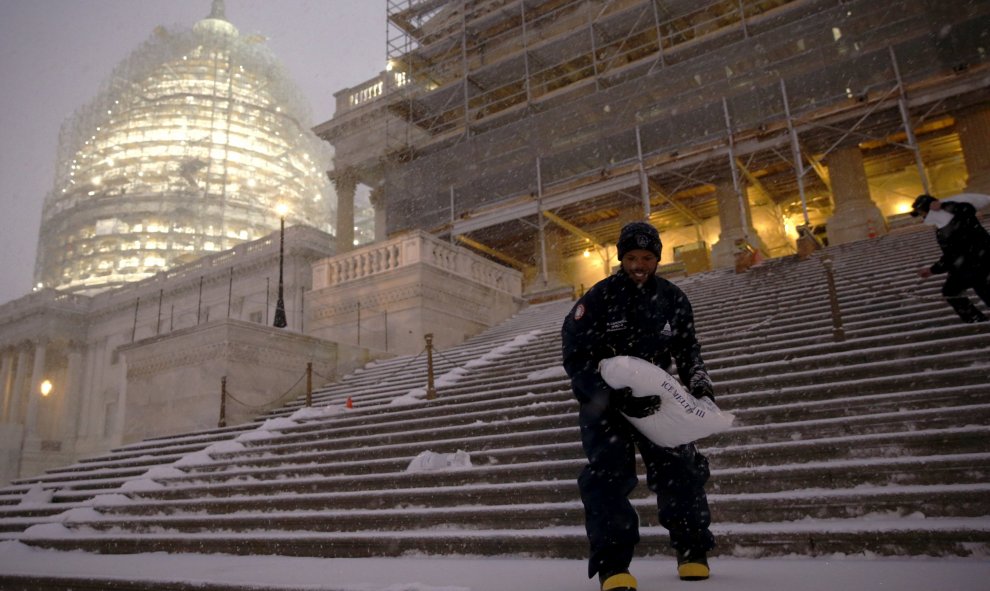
pixel 965 243
pixel 617 317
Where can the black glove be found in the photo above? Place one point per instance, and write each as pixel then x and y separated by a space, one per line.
pixel 701 386
pixel 638 407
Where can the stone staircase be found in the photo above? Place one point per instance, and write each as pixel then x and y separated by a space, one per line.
pixel 873 443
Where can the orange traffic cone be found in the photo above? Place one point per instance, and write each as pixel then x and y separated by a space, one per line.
pixel 350 403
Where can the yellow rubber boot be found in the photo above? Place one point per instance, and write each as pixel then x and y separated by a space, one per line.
pixel 619 582
pixel 693 569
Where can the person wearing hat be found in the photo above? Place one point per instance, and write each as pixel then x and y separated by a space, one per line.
pixel 965 245
pixel 634 312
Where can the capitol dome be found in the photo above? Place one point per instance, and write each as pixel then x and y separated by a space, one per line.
pixel 192 143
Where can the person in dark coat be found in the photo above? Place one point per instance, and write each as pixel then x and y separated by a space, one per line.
pixel 636 313
pixel 965 246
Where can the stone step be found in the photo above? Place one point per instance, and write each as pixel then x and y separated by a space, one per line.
pixel 875 423
pixel 954 471
pixel 831 409
pixel 551 429
pixel 958 501
pixel 849 469
pixel 938 537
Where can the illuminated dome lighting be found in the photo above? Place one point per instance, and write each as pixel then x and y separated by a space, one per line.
pixel 186 151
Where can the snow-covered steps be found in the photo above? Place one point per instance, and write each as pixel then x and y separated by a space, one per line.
pixel 874 443
pixel 898 536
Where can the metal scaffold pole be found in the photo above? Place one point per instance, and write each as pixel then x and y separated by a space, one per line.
pixel 644 182
pixel 906 118
pixel 740 193
pixel 541 222
pixel 795 153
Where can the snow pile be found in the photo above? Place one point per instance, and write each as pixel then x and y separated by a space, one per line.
pixel 36 496
pixel 204 455
pixel 316 412
pixel 108 500
pixel 544 374
pixel 417 395
pixel 269 429
pixel 414 396
pixel 503 350
pixel 429 461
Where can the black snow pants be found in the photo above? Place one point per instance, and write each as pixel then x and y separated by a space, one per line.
pixel 676 475
pixel 954 290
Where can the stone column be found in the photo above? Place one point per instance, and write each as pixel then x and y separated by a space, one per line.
pixel 17 384
pixel 34 394
pixel 346 186
pixel 87 425
pixel 554 280
pixel 69 423
pixel 733 226
pixel 856 216
pixel 555 237
pixel 377 198
pixel 974 135
pixel 6 371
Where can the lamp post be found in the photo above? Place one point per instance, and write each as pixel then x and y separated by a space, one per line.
pixel 280 321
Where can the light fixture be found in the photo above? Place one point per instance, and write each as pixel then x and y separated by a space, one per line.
pixel 46 387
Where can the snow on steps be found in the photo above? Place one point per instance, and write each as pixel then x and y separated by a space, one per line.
pixel 872 444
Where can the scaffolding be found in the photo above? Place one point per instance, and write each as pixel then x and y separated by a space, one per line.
pixel 186 150
pixel 584 109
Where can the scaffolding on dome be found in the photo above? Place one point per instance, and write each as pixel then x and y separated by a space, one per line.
pixel 186 150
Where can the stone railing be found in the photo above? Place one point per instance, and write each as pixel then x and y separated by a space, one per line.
pixel 368 91
pixel 416 247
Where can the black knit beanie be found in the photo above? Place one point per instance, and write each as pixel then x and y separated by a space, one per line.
pixel 922 204
pixel 639 235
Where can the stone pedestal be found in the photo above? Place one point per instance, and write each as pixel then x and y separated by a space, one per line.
pixel 856 216
pixel 735 217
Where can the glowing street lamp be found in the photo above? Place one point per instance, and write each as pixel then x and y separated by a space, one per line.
pixel 280 322
pixel 46 387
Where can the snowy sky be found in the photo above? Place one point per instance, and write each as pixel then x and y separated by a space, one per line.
pixel 55 54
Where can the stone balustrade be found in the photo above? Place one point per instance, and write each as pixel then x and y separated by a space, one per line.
pixel 368 91
pixel 409 249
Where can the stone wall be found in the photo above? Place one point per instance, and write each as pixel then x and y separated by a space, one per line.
pixel 174 381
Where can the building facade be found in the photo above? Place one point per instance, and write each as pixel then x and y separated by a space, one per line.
pixel 90 347
pixel 532 131
pixel 165 354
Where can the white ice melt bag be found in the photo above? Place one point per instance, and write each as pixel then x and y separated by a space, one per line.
pixel 682 418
